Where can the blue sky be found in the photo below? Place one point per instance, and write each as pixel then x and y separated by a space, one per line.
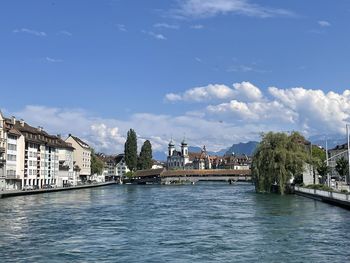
pixel 116 64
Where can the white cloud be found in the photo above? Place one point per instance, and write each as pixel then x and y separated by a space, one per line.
pixel 244 91
pixel 210 8
pixel 121 27
pixel 167 26
pixel 316 110
pixel 324 23
pixel 244 112
pixel 53 60
pixel 173 97
pixel 108 135
pixel 31 32
pixel 198 26
pixel 65 33
pixel 155 35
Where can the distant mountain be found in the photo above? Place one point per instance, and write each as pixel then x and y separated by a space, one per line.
pixel 332 140
pixel 247 148
pixel 239 148
pixel 159 156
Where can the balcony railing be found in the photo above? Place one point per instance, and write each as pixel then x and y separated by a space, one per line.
pixel 11 177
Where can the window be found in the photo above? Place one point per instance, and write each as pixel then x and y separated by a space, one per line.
pixel 12 147
pixel 11 172
pixel 11 157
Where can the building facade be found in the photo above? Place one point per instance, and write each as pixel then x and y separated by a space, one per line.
pixel 121 167
pixel 81 156
pixel 177 159
pixel 338 152
pixel 66 174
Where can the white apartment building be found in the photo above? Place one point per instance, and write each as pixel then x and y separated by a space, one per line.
pixel 81 156
pixel 121 167
pixel 31 155
pixel 66 173
pixel 2 153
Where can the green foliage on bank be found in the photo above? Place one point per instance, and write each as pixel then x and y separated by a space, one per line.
pixel 145 159
pixel 130 150
pixel 96 164
pixel 278 158
pixel 342 167
pixel 130 174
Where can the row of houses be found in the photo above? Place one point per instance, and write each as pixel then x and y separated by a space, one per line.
pixel 29 156
pixel 185 160
pixel 114 166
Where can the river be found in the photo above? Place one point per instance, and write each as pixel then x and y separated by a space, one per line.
pixel 209 222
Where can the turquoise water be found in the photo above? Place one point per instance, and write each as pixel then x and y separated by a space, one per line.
pixel 192 223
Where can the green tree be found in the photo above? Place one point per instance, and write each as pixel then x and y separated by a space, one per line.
pixel 323 170
pixel 130 150
pixel 96 164
pixel 277 159
pixel 342 167
pixel 319 162
pixel 145 159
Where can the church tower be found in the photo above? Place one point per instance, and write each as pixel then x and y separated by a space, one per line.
pixel 184 153
pixel 171 147
pixel 184 148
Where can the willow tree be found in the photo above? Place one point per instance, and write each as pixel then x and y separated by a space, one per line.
pixel 277 159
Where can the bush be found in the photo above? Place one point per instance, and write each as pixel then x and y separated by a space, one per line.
pixel 344 191
pixel 129 174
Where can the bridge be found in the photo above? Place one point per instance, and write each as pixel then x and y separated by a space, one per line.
pixel 163 176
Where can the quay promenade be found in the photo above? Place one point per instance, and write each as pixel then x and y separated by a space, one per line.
pixel 6 194
pixel 334 198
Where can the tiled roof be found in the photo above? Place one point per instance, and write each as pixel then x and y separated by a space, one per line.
pixel 150 172
pixel 81 142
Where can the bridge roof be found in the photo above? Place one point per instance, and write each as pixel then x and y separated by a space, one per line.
pixel 215 172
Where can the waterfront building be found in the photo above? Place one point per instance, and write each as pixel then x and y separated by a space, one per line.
pixel 2 153
pixel 237 162
pixel 31 155
pixel 67 175
pixel 177 159
pixel 121 167
pixel 81 156
pixel 338 152
pixel 109 167
pixel 200 161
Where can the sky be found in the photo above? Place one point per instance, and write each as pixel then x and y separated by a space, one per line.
pixel 217 72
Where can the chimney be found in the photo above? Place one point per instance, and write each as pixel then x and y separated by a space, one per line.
pixel 22 122
pixel 40 129
pixel 13 119
pixel 59 136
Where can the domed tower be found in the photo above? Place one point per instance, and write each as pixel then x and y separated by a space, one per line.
pixel 184 152
pixel 171 147
pixel 184 148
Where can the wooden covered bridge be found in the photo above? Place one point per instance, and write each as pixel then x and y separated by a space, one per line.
pixel 163 176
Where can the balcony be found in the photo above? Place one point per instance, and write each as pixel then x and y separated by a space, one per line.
pixel 11 177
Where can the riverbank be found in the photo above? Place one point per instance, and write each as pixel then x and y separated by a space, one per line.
pixel 7 194
pixel 334 198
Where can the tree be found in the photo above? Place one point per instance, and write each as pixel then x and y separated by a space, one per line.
pixel 145 158
pixel 342 167
pixel 130 150
pixel 323 170
pixel 277 159
pixel 96 164
pixel 319 162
